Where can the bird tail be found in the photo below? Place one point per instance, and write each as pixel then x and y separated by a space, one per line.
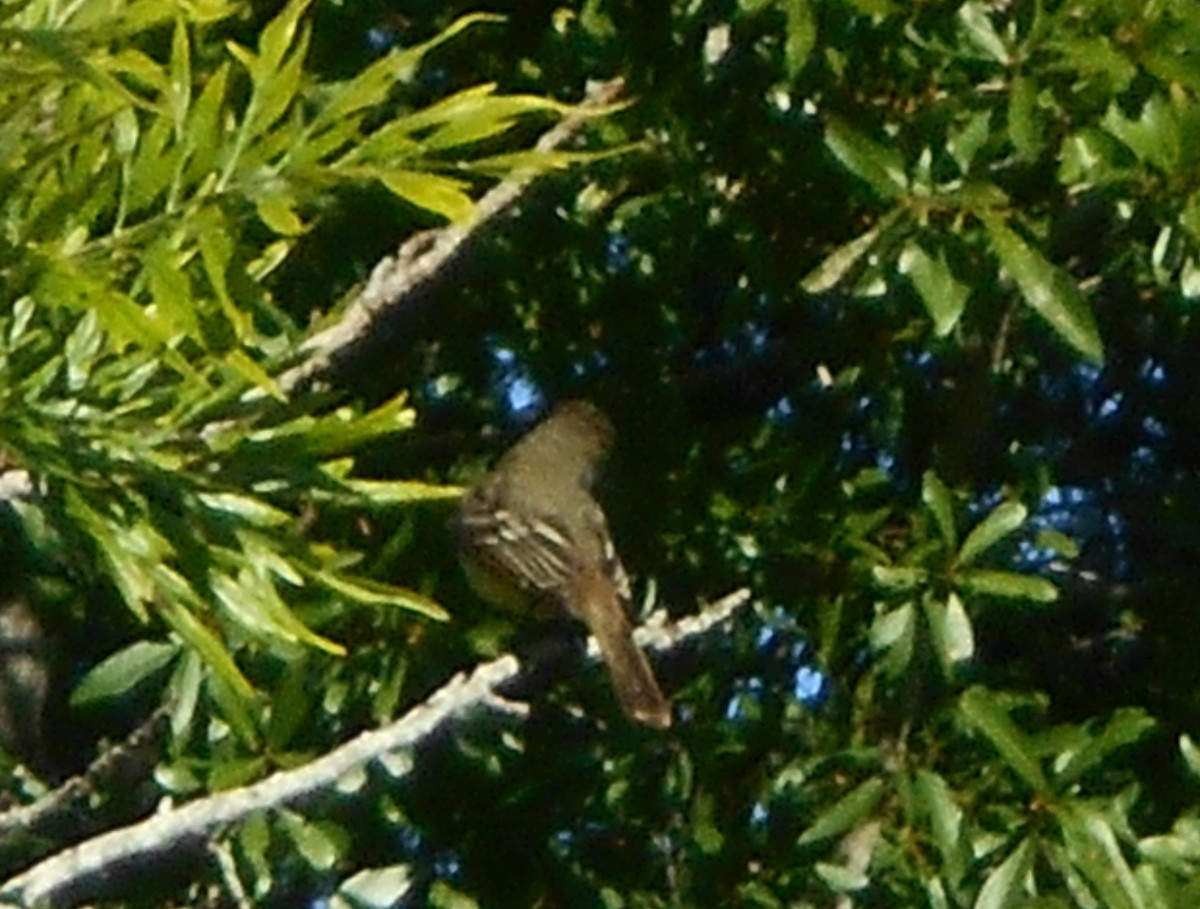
pixel 602 610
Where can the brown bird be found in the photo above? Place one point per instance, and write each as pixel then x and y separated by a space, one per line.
pixel 531 532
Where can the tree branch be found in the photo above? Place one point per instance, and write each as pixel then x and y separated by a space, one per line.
pixel 64 878
pixel 422 257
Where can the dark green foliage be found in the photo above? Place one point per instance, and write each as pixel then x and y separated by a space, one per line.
pixel 892 306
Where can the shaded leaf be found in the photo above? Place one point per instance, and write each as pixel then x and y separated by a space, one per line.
pixel 849 810
pixel 986 712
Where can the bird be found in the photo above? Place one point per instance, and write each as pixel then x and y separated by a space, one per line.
pixel 531 535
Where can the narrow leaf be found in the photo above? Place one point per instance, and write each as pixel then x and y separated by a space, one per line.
pixel 944 296
pixel 880 166
pixel 120 673
pixel 801 35
pixel 984 710
pixel 1003 520
pixel 953 637
pixel 937 499
pixel 1006 584
pixel 377 593
pixel 846 813
pixel 1049 291
pixel 1002 886
pixel 441 195
pixel 1127 726
pixel 210 648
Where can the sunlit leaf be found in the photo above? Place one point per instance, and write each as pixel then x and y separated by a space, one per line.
pixel 120 673
pixel 441 195
pixel 879 165
pixel 1049 291
pixel 1000 523
pixel 953 636
pixel 375 888
pixel 944 296
pixel 937 499
pixel 1006 584
pixel 377 593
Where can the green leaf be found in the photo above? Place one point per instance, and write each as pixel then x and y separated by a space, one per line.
pixel 1090 156
pixel 1099 55
pixel 377 593
pixel 1002 888
pixel 1006 584
pixel 184 690
pixel 1155 137
pixel 898 578
pixel 704 830
pixel 893 634
pixel 317 843
pixel 977 25
pixel 801 35
pixel 170 287
pixel 1191 754
pixel 944 296
pixel 120 673
pixel 278 36
pixel 443 896
pixel 374 84
pixel 203 136
pixel 953 637
pixel 1128 725
pixel 1024 130
pixel 937 499
pixel 374 888
pixel 402 492
pixel 1002 521
pixel 338 433
pixel 482 101
pixel 879 165
pixel 946 818
pixel 82 350
pixel 252 510
pixel 1048 290
pixel 179 92
pixel 838 263
pixel 1057 541
pixel 847 813
pixel 440 195
pixel 210 648
pixel 963 144
pixel 986 712
pixel 252 599
pixel 278 211
pixel 51 45
pixel 535 161
pixel 1093 850
pixel 129 551
pixel 840 878
pixel 253 838
pixel 274 94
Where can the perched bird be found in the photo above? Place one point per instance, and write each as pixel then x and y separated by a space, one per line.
pixel 531 534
